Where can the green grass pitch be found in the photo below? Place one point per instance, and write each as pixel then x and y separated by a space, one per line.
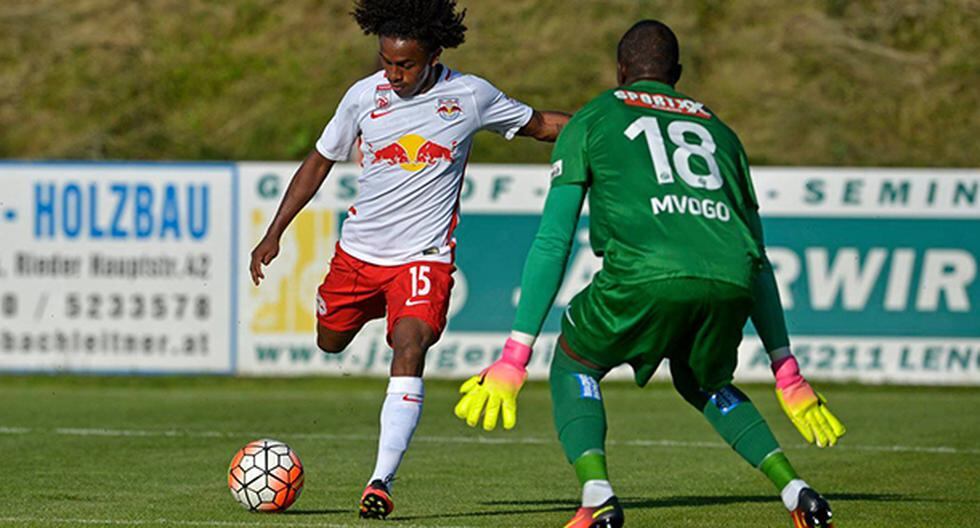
pixel 153 452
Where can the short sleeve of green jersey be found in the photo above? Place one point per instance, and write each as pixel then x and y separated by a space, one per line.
pixel 569 159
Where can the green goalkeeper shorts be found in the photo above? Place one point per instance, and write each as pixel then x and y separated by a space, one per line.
pixel 695 320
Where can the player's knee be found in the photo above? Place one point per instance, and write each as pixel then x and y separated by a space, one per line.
pixel 332 342
pixel 710 381
pixel 687 385
pixel 408 352
pixel 406 336
pixel 692 394
pixel 410 339
pixel 329 346
pixel 409 357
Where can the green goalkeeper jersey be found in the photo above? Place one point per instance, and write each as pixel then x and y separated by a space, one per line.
pixel 670 196
pixel 668 182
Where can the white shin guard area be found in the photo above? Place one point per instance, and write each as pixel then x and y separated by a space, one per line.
pixel 400 415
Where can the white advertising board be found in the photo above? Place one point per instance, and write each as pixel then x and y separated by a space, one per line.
pixel 877 270
pixel 142 268
pixel 117 268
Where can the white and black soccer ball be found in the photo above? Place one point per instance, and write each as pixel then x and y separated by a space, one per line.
pixel 265 475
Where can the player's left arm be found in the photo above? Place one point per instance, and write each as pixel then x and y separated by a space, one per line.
pixel 545 125
pixel 805 407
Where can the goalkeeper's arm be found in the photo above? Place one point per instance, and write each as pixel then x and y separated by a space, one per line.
pixel 497 387
pixel 544 267
pixel 805 407
pixel 767 314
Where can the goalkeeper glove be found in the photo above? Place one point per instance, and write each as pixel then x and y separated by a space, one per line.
pixel 806 408
pixel 496 388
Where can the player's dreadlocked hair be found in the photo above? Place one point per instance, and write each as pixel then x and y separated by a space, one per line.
pixel 433 23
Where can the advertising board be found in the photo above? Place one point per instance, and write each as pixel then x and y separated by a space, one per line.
pixel 142 268
pixel 117 268
pixel 877 270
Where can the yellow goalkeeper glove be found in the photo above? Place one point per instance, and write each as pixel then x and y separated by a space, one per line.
pixel 496 389
pixel 806 408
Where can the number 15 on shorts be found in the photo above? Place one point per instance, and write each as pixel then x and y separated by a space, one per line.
pixel 421 285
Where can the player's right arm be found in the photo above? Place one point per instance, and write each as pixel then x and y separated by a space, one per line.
pixel 334 145
pixel 304 185
pixel 805 407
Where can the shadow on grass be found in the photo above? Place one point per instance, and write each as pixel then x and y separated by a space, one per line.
pixel 636 503
pixel 350 511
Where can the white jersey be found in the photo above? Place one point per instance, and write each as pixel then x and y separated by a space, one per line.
pixel 414 154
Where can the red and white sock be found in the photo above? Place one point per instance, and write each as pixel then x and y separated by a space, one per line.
pixel 400 415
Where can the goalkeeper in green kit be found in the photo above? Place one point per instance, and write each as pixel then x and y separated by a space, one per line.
pixel 675 219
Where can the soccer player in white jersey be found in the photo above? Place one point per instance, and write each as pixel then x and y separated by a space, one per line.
pixel 414 123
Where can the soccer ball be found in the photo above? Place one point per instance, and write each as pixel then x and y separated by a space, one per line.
pixel 265 475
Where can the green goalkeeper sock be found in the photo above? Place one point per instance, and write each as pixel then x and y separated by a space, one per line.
pixel 580 417
pixel 777 467
pixel 737 420
pixel 594 479
pixel 591 466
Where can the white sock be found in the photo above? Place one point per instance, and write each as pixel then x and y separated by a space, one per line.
pixel 595 492
pixel 399 415
pixel 791 493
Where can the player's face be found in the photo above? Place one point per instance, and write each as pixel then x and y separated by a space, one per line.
pixel 407 64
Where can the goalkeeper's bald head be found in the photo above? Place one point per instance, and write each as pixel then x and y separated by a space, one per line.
pixel 649 50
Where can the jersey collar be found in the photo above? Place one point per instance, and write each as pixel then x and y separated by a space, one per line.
pixel 444 73
pixel 652 85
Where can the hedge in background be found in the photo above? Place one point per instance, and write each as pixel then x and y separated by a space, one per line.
pixel 830 82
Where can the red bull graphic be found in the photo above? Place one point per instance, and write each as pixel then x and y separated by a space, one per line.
pixel 413 152
pixel 449 108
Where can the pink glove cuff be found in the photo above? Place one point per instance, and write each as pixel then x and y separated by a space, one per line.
pixel 516 353
pixel 787 371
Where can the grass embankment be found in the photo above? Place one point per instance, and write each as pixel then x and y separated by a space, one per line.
pixel 829 82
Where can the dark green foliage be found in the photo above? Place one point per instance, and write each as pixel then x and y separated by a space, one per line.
pixel 818 82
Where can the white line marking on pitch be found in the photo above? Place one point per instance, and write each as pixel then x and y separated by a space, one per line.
pixel 514 440
pixel 14 430
pixel 178 522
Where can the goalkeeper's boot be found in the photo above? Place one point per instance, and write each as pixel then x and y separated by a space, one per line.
pixel 607 515
pixel 376 501
pixel 812 511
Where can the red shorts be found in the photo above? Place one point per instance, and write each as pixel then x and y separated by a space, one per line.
pixel 355 292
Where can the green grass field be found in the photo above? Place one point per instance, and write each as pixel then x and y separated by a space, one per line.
pixel 154 451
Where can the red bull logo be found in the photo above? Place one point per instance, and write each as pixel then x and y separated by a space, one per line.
pixel 449 108
pixel 413 152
